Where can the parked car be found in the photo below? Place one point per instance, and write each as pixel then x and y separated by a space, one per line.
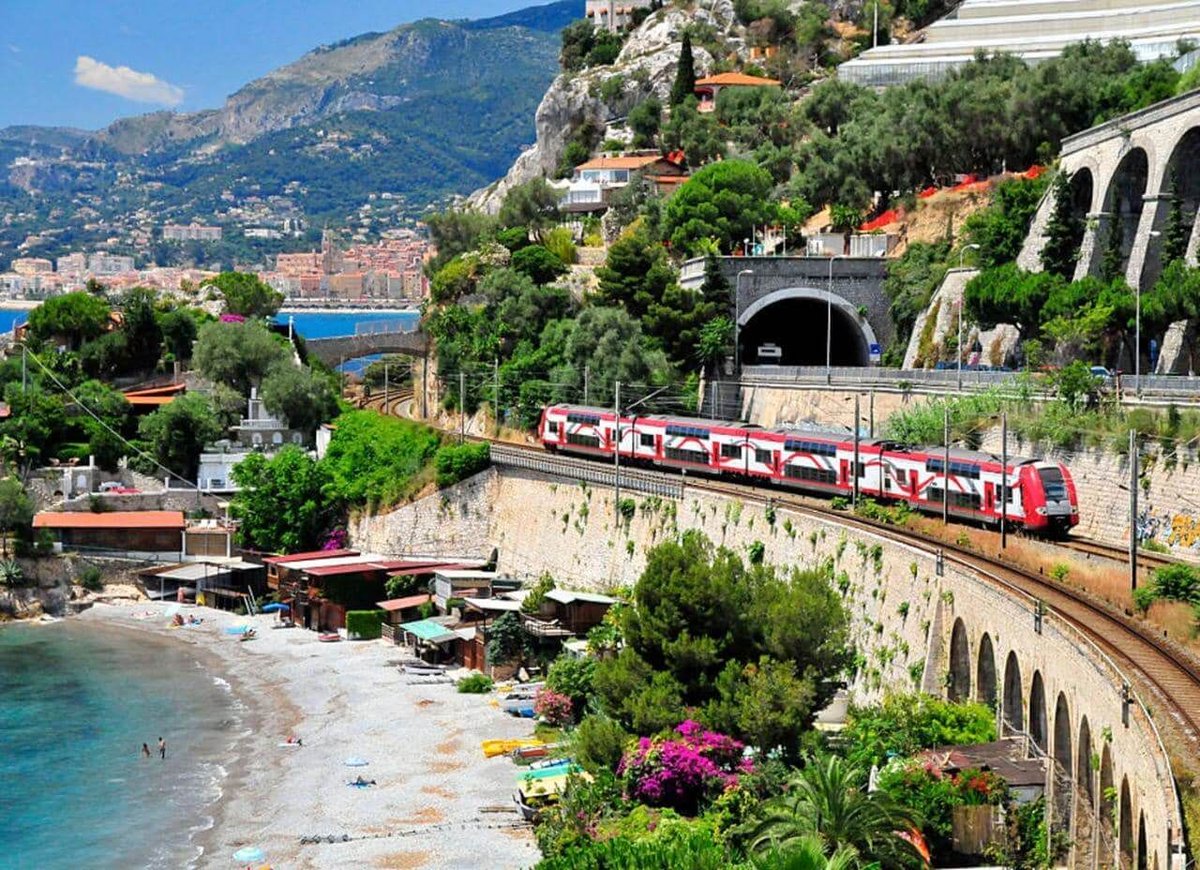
pixel 770 352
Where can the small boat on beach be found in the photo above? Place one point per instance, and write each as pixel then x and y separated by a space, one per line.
pixel 533 795
pixel 329 637
pixel 492 748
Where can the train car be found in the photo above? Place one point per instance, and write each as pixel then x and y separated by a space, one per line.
pixel 1031 494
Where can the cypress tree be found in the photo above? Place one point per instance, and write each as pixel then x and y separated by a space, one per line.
pixel 716 289
pixel 1063 233
pixel 1175 233
pixel 1111 266
pixel 685 73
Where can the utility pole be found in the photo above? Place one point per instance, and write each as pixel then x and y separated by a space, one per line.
pixel 496 382
pixel 854 470
pixel 24 369
pixel 1133 509
pixel 586 373
pixel 946 466
pixel 385 388
pixel 712 401
pixel 1004 480
pixel 462 407
pixel 871 431
pixel 617 457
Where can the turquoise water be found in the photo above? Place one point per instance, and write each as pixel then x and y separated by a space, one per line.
pixel 78 702
pixel 11 317
pixel 320 324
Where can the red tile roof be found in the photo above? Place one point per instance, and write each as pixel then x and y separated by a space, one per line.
pixel 430 567
pixel 312 554
pixel 351 568
pixel 621 162
pixel 110 520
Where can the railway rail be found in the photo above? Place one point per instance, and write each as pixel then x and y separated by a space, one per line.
pixel 1137 651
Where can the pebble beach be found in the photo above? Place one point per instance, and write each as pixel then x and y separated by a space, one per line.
pixel 437 802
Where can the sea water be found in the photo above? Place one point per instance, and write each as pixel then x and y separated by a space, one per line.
pixel 77 701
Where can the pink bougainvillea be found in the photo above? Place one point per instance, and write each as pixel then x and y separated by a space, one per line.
pixel 335 539
pixel 553 707
pixel 680 772
pixel 232 318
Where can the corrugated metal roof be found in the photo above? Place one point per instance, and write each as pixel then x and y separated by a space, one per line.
pixel 303 557
pixel 110 520
pixel 496 604
pixel 195 571
pixel 351 568
pixel 394 604
pixel 427 629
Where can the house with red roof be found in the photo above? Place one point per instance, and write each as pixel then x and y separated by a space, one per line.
pixel 709 87
pixel 150 535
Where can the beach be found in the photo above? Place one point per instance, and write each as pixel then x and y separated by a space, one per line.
pixel 435 799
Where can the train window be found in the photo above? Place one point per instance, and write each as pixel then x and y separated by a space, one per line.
pixel 687 431
pixel 587 419
pixel 806 472
pixel 680 454
pixel 860 470
pixel 934 465
pixel 553 427
pixel 583 440
pixel 816 448
pixel 1053 483
pixel 766 457
pixel 731 451
pixel 646 439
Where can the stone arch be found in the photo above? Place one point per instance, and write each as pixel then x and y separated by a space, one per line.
pixel 1014 703
pixel 795 318
pixel 1125 827
pixel 1085 775
pixel 1039 731
pixel 1122 203
pixel 1143 860
pixel 959 685
pixel 985 673
pixel 1064 763
pixel 1081 189
pixel 1179 179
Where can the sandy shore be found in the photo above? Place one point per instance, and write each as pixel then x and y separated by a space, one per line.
pixel 343 700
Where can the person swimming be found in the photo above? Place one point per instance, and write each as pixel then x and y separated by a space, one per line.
pixel 145 750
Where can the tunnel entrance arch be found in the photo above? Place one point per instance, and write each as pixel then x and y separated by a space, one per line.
pixel 796 320
pixel 985 678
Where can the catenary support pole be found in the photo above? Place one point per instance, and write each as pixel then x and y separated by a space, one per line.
pixel 617 455
pixel 854 469
pixel 587 370
pixel 496 385
pixel 871 414
pixel 1003 480
pixel 462 407
pixel 946 465
pixel 385 388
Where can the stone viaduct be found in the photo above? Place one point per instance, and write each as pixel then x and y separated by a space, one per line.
pixel 917 621
pixel 1125 176
pixel 333 351
pixel 784 301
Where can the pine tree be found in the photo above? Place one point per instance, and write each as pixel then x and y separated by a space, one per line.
pixel 1112 266
pixel 685 74
pixel 1176 232
pixel 716 289
pixel 1063 233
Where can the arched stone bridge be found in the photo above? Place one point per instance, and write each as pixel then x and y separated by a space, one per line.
pixel 333 351
pixel 1125 176
pixel 786 302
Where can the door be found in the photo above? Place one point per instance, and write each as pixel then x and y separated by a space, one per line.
pixel 913 484
pixel 845 478
pixel 989 499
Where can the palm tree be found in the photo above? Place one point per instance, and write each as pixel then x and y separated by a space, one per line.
pixel 806 853
pixel 827 801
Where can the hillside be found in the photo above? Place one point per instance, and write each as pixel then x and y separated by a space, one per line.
pixel 424 111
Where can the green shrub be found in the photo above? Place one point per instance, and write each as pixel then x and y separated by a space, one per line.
pixel 11 573
pixel 600 742
pixel 572 677
pixel 475 684
pixel 91 578
pixel 365 624
pixel 537 593
pixel 458 462
pixel 904 724
pixel 43 545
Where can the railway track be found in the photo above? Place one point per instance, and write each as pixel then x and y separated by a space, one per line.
pixel 1148 560
pixel 1169 672
pixel 387 405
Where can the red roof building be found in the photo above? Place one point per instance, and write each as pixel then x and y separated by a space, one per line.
pixel 709 87
pixel 154 534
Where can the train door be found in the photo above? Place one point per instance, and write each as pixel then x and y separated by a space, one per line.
pixel 845 477
pixel 989 498
pixel 914 486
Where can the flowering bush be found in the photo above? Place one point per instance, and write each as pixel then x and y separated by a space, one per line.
pixel 683 771
pixel 336 539
pixel 232 318
pixel 553 707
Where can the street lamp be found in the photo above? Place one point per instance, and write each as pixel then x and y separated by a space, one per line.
pixel 964 250
pixel 829 321
pixel 737 316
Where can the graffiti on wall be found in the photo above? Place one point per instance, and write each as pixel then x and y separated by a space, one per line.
pixel 1179 531
pixel 1184 532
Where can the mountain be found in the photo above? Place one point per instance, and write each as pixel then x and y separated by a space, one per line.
pixel 392 121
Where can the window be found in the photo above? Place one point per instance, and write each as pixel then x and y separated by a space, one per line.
pixel 860 470
pixel 553 428
pixel 296 437
pixel 731 451
pixel 687 431
pixel 646 439
pixel 1054 483
pixel 808 473
pixel 816 448
pixel 586 419
pixel 766 457
pixel 968 470
pixel 583 440
pixel 681 454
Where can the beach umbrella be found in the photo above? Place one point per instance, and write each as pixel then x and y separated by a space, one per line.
pixel 355 761
pixel 249 855
pixel 275 608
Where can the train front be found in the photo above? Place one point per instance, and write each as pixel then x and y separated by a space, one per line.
pixel 1051 504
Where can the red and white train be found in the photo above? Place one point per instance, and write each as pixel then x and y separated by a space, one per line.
pixel 1041 495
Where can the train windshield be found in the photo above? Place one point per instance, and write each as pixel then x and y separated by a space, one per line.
pixel 1053 483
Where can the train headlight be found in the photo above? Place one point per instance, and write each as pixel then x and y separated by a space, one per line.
pixel 1074 509
pixel 1041 512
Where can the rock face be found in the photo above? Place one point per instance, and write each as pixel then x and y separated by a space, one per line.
pixel 645 68
pixel 997 344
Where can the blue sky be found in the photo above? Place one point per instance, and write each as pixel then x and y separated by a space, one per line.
pixel 85 63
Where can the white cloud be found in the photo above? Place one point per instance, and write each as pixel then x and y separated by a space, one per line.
pixel 125 82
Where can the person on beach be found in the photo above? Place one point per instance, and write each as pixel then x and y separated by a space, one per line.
pixel 145 750
pixel 162 749
pixel 360 782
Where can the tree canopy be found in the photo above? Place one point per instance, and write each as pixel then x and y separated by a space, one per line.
pixel 282 501
pixel 177 432
pixel 246 294
pixel 237 354
pixel 75 317
pixel 299 395
pixel 723 202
